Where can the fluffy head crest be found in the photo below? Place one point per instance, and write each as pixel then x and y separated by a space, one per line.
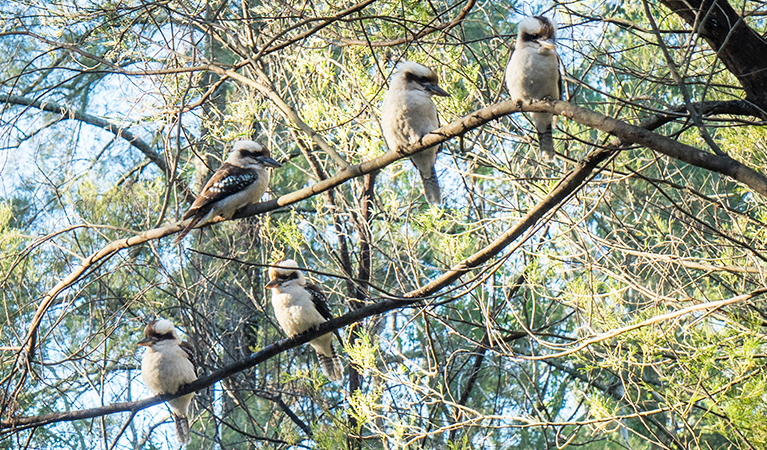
pixel 251 154
pixel 287 271
pixel 412 76
pixel 252 146
pixel 159 330
pixel 287 267
pixel 410 69
pixel 162 326
pixel 538 26
pixel 416 69
pixel 247 150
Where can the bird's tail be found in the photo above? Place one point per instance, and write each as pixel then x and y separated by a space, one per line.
pixel 182 428
pixel 192 223
pixel 331 365
pixel 431 187
pixel 545 137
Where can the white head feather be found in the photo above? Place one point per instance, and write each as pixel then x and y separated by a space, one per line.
pixel 416 69
pixel 164 326
pixel 287 267
pixel 534 25
pixel 244 144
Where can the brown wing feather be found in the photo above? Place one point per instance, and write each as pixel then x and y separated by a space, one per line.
pixel 320 300
pixel 201 215
pixel 189 350
pixel 227 180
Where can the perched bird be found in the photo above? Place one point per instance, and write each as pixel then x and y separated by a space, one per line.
pixel 408 114
pixel 241 180
pixel 169 364
pixel 533 72
pixel 299 306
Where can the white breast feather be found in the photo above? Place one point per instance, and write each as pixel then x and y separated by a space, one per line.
pixel 532 76
pixel 295 310
pixel 408 117
pixel 164 368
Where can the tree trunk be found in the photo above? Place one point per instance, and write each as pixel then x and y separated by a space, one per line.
pixel 740 48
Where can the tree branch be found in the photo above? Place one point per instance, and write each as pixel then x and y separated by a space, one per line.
pixel 70 113
pixel 428 29
pixel 277 400
pixel 740 48
pixel 707 108
pixel 566 187
pixel 627 133
pixel 724 165
pixel 21 423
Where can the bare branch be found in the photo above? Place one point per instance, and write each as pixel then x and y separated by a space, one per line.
pixel 628 133
pixel 69 113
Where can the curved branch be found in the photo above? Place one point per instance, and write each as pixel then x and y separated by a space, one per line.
pixel 429 29
pixel 21 423
pixel 567 186
pixel 706 308
pixel 721 164
pixel 706 108
pixel 627 133
pixel 323 23
pixel 277 400
pixel 70 113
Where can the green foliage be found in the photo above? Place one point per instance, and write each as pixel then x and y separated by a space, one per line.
pixel 513 355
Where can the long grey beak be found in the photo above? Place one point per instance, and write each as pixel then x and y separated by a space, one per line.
pixel 435 90
pixel 548 44
pixel 269 161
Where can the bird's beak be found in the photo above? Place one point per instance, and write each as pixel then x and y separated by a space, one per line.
pixel 436 90
pixel 548 44
pixel 269 161
pixel 145 342
pixel 272 283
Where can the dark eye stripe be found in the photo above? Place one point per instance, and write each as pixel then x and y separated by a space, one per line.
pixel 251 154
pixel 412 77
pixel 161 337
pixel 530 37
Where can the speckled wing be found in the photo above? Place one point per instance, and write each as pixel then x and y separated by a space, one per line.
pixel 228 180
pixel 320 300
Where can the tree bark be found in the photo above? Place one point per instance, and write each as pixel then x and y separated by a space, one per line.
pixel 742 50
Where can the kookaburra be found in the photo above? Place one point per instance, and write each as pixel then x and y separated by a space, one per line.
pixel 408 114
pixel 169 364
pixel 240 181
pixel 533 73
pixel 299 306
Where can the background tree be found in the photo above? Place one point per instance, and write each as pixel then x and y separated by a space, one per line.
pixel 610 300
